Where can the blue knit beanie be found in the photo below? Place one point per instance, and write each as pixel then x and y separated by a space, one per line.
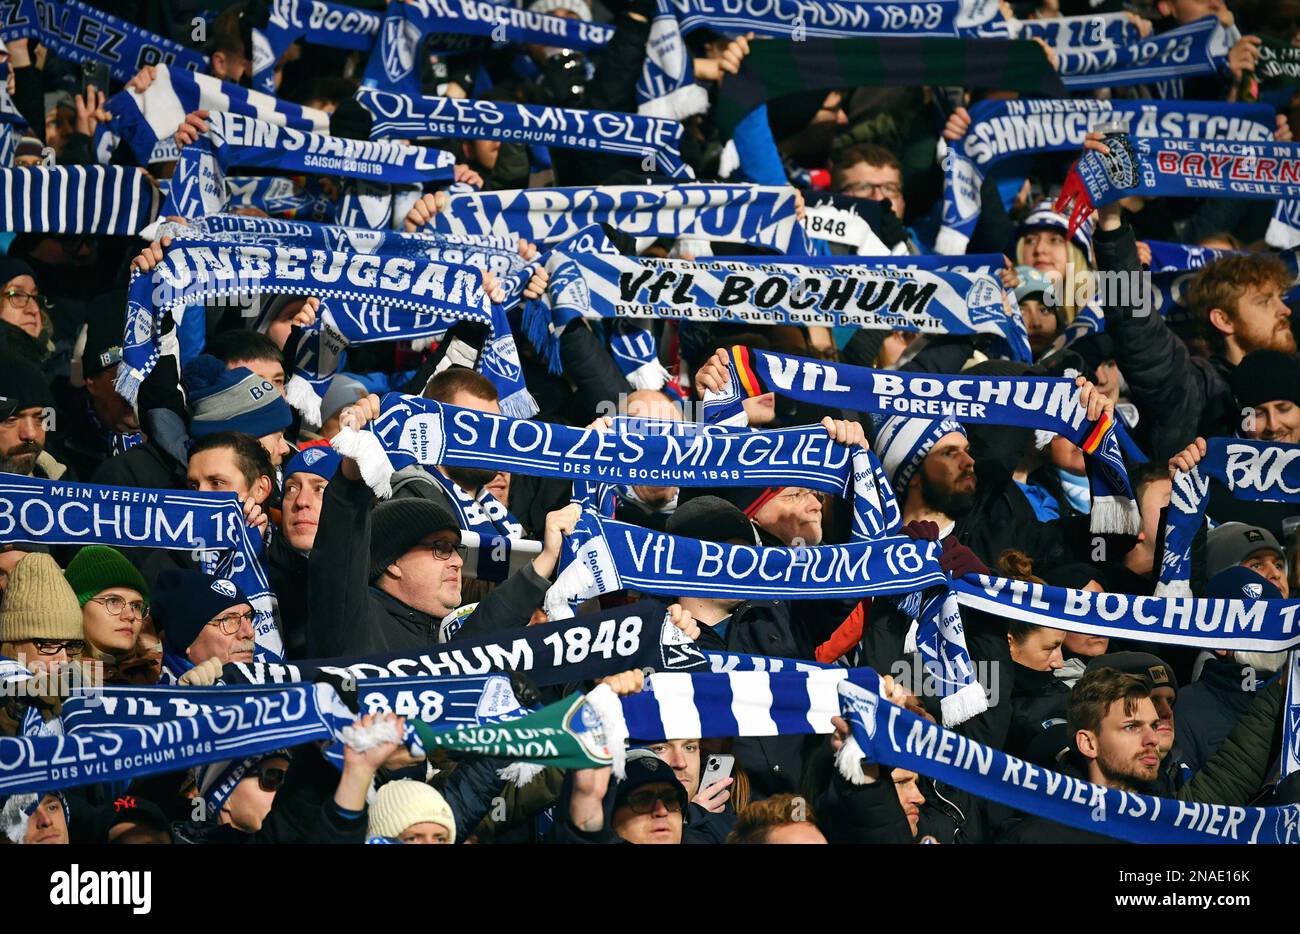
pixel 233 400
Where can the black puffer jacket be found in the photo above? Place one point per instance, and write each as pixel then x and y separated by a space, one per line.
pixel 1036 698
pixel 1002 518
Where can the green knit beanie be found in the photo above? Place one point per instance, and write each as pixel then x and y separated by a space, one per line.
pixel 96 568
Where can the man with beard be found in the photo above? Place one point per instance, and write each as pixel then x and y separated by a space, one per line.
pixel 26 415
pixel 935 478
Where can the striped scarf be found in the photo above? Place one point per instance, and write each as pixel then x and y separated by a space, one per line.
pixel 317 22
pixel 97 199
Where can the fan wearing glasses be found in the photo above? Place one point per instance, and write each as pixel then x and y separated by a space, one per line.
pixel 24 311
pixel 40 620
pixel 206 622
pixel 647 808
pixel 114 611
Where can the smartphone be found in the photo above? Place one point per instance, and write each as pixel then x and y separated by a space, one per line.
pixel 716 768
pixel 95 73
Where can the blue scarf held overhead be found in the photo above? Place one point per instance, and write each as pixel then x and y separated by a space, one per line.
pixel 431 433
pixel 654 139
pixel 1074 33
pixel 1199 48
pixel 838 19
pixel 617 556
pixel 191 273
pixel 97 200
pixel 1031 402
pixel 590 646
pixel 80 33
pixel 886 733
pixel 236 140
pixel 34 510
pixel 1255 471
pixel 1006 129
pixel 317 22
pixel 760 216
pixel 146 120
pixel 1179 168
pixel 595 286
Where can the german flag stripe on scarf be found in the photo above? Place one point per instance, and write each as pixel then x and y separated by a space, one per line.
pixel 744 369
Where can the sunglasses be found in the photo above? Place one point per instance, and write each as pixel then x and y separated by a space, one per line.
pixel 643 802
pixel 269 778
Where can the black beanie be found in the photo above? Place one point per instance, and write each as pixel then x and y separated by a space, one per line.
pixel 185 601
pixel 398 525
pixel 1150 668
pixel 1266 376
pixel 22 385
pixel 350 120
pixel 11 267
pixel 105 323
pixel 711 519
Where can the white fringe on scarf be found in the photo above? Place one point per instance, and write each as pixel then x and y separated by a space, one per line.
pixel 686 101
pixel 300 394
pixel 364 448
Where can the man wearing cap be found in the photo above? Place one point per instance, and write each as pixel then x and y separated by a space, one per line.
pixel 382 578
pixel 137 820
pixel 27 414
pixel 646 806
pixel 1044 317
pixel 206 622
pixel 306 476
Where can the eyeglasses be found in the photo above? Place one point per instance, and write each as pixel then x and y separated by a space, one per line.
pixel 20 298
pixel 55 646
pixel 644 800
pixel 269 778
pixel 115 605
pixel 794 493
pixel 443 550
pixel 232 622
pixel 869 189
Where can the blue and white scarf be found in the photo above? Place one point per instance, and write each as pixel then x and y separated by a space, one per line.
pixel 655 140
pixel 198 184
pixel 761 216
pixel 739 703
pixel 280 197
pixel 1256 471
pixel 615 556
pixel 434 433
pixel 1031 402
pixel 96 199
pixel 146 120
pixel 199 272
pixel 838 19
pixel 1199 48
pixel 886 733
pixel 667 85
pixel 1004 129
pixel 1076 33
pixel 78 32
pixel 246 723
pixel 595 286
pixel 590 646
pixel 209 525
pixel 1179 168
pixel 486 516
pixel 317 22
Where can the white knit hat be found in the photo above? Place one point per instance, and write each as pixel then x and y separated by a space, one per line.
pixel 580 7
pixel 400 804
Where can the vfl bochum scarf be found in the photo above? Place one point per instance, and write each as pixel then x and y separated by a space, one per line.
pixel 1030 402
pixel 438 433
pixel 835 19
pixel 667 85
pixel 1072 33
pixel 778 67
pixel 198 188
pixel 655 140
pixel 761 216
pixel 587 647
pixel 1179 168
pixel 33 510
pixel 1003 129
pixel 319 23
pixel 246 723
pixel 191 273
pixel 1256 471
pixel 617 556
pixel 593 285
pixel 78 32
pixel 1199 48
pixel 886 733
pixel 96 199
pixel 488 517
pixel 145 120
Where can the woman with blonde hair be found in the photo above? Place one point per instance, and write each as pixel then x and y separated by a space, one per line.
pixel 1043 242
